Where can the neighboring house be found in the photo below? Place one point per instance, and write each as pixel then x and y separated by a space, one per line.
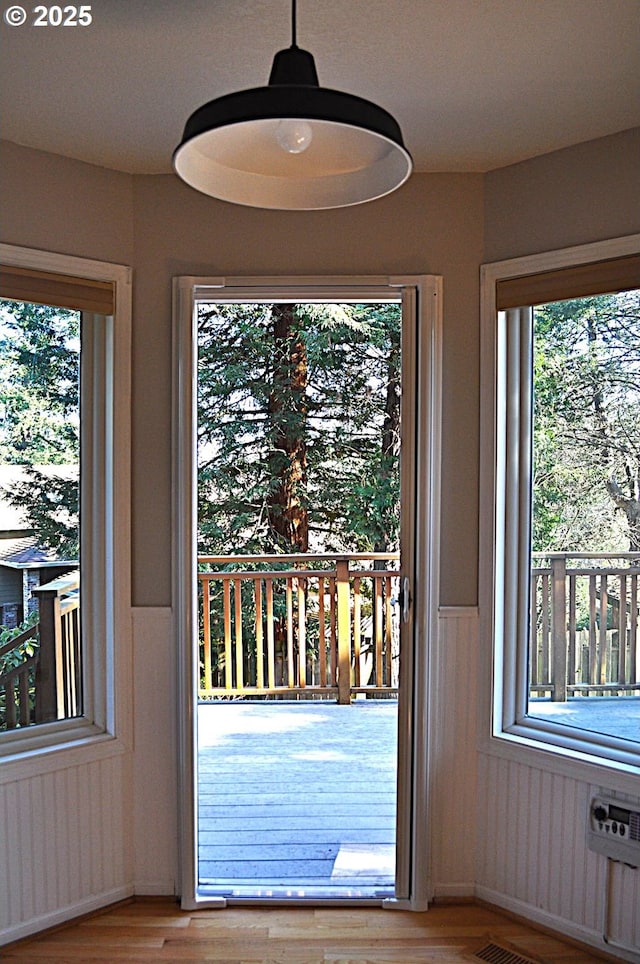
pixel 24 564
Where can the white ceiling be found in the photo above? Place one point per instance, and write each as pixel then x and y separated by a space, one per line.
pixel 474 84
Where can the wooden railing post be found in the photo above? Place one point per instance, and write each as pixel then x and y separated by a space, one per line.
pixel 49 681
pixel 344 632
pixel 559 627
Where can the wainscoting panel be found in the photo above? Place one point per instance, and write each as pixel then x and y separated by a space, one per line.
pixel 64 842
pixel 155 806
pixel 533 856
pixel 453 753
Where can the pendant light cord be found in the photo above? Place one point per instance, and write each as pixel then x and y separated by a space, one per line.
pixel 293 24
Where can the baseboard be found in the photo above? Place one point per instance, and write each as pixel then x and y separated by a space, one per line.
pixel 63 915
pixel 154 888
pixel 557 925
pixel 451 891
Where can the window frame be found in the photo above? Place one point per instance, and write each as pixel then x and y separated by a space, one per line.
pixel 506 475
pixel 105 494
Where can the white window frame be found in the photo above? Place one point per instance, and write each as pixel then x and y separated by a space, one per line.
pixel 105 530
pixel 506 429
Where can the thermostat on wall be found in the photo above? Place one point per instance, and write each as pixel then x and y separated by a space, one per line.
pixel 614 830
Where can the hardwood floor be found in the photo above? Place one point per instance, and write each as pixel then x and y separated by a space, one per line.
pixel 151 930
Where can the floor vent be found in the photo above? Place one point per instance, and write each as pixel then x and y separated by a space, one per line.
pixel 495 954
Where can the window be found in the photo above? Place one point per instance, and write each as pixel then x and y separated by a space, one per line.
pixel 65 466
pixel 561 470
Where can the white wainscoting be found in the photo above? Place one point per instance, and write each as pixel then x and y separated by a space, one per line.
pixel 533 857
pixel 453 762
pixel 65 842
pixel 155 771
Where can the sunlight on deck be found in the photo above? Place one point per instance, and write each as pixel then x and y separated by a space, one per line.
pixel 297 799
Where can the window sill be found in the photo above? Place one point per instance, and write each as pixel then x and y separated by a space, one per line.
pixel 74 746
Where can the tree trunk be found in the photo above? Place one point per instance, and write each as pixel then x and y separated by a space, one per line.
pixel 287 508
pixel 630 505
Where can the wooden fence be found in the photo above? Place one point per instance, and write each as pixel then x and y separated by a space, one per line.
pixel 584 624
pixel 46 686
pixel 275 625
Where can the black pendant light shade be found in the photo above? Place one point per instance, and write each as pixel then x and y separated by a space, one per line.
pixel 292 145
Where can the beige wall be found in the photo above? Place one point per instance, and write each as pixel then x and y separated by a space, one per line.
pixel 65 206
pixel 589 192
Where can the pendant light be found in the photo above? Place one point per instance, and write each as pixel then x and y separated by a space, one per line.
pixel 292 145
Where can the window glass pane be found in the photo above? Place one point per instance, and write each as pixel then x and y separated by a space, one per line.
pixel 40 658
pixel 584 654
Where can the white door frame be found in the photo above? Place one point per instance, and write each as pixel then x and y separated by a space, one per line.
pixel 421 297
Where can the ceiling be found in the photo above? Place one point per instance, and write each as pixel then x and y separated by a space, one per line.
pixel 474 84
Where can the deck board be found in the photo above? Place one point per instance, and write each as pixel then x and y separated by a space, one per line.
pixel 297 796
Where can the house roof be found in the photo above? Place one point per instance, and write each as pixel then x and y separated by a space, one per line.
pixel 474 85
pixel 19 547
pixel 24 552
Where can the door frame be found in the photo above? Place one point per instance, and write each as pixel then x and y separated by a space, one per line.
pixel 421 300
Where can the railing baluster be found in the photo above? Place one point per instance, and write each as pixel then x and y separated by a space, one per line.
pixel 622 630
pixel 257 592
pixel 228 656
pixel 344 631
pixel 206 632
pixel 290 662
pixel 10 704
pixel 23 690
pixel 593 618
pixel 271 659
pixel 333 635
pixel 322 644
pixel 237 587
pixel 302 633
pixel 543 669
pixel 377 622
pixel 387 627
pixel 533 620
pixel 357 630
pixel 602 654
pixel 571 668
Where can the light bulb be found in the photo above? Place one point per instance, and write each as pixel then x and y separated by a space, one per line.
pixel 294 136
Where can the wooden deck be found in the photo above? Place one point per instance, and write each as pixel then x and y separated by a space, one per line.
pixel 297 799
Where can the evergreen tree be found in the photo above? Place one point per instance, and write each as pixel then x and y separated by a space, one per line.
pixel 298 427
pixel 39 417
pixel 587 424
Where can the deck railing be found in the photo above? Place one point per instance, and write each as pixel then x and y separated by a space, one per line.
pixel 584 624
pixel 47 685
pixel 291 624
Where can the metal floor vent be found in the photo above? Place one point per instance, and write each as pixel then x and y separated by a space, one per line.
pixel 495 954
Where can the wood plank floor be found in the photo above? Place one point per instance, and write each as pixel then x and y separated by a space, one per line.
pixel 297 799
pixel 153 931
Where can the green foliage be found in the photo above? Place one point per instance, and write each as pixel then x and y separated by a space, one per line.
pixel 586 369
pixel 39 368
pixel 340 407
pixel 22 652
pixel 39 417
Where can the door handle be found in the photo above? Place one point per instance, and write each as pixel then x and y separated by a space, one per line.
pixel 406 599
